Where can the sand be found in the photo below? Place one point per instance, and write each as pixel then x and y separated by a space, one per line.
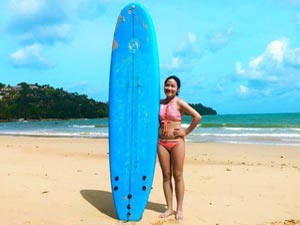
pixel 56 181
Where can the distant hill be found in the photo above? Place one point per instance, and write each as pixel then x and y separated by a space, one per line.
pixel 33 101
pixel 203 110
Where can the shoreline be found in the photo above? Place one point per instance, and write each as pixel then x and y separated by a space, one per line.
pixel 53 136
pixel 198 141
pixel 65 181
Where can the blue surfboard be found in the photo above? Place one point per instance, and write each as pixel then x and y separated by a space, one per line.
pixel 133 111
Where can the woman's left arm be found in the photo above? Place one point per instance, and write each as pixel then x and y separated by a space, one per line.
pixel 186 108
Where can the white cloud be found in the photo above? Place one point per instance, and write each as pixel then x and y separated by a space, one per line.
pixel 219 40
pixel 30 56
pixel 25 7
pixel 243 89
pixel 192 37
pixel 175 63
pixel 275 71
pixel 47 34
pixel 292 57
pixel 49 22
pixel 277 48
pixel 40 23
pixel 270 61
pixel 273 56
pixel 239 68
pixel 254 63
pixel 183 58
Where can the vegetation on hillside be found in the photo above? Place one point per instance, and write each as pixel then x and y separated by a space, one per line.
pixel 203 110
pixel 44 102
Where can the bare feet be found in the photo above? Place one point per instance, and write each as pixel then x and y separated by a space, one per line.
pixel 167 213
pixel 179 215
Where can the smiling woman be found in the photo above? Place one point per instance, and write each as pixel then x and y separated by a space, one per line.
pixel 171 144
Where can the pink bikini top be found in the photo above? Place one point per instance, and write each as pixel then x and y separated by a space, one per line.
pixel 168 113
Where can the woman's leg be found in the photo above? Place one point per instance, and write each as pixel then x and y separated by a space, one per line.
pixel 165 164
pixel 177 158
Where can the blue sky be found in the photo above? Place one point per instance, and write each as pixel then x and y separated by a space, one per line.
pixel 234 56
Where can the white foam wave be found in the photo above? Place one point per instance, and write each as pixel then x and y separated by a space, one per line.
pixel 59 134
pixel 292 135
pixel 82 126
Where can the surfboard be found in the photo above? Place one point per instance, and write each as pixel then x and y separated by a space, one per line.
pixel 133 111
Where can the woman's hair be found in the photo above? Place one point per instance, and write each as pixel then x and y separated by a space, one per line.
pixel 177 80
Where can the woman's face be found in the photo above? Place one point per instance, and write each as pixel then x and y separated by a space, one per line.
pixel 171 88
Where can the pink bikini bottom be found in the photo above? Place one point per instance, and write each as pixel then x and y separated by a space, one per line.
pixel 169 144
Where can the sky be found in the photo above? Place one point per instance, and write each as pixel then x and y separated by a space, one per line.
pixel 234 56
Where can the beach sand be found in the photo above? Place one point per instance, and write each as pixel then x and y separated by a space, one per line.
pixel 55 181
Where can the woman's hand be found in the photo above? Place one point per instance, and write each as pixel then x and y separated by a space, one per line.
pixel 179 132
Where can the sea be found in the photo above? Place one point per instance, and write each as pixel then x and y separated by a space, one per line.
pixel 269 129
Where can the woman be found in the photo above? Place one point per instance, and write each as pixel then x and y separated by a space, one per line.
pixel 171 145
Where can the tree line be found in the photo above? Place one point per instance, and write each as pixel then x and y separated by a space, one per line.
pixel 33 101
pixel 29 101
pixel 203 110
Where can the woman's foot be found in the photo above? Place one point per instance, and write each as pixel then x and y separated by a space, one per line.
pixel 167 213
pixel 179 215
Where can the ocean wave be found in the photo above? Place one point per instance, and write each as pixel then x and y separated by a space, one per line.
pixel 262 142
pixel 58 134
pixel 294 129
pixel 185 125
pixel 82 126
pixel 292 135
pixel 250 125
pixel 260 129
pixel 242 129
